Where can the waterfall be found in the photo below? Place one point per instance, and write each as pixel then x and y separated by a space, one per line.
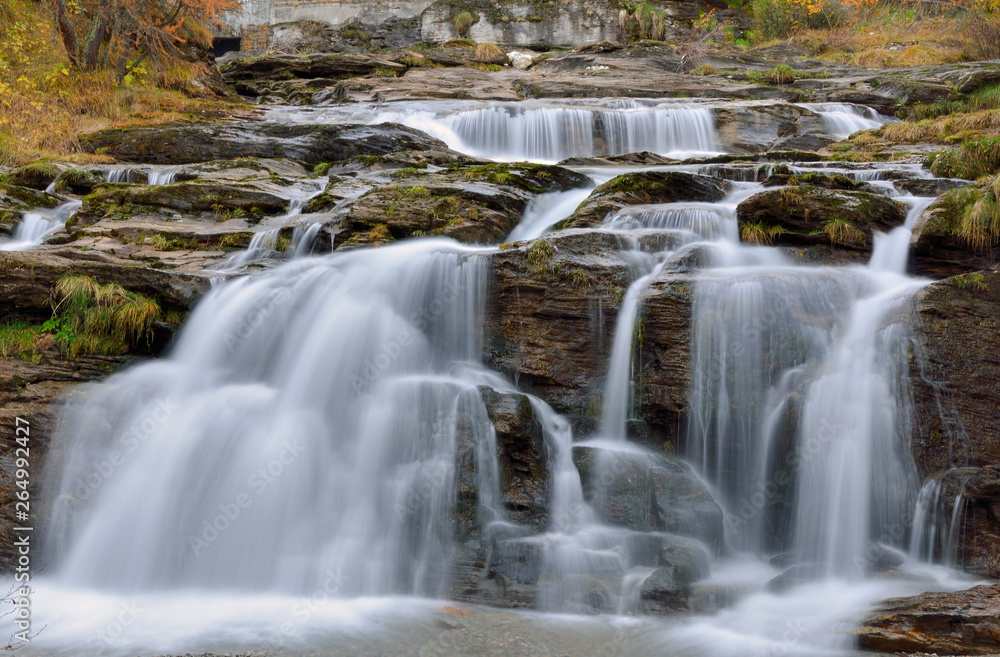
pixel 36 226
pixel 545 211
pixel 514 132
pixel 842 120
pixel 289 467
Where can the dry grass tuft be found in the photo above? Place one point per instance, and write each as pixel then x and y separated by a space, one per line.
pixel 489 53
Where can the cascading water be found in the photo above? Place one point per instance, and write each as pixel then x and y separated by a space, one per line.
pixel 38 225
pixel 842 120
pixel 304 428
pixel 553 134
pixel 265 242
pixel 292 469
pixel 545 211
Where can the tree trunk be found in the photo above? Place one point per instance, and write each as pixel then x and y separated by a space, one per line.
pixel 97 35
pixel 66 31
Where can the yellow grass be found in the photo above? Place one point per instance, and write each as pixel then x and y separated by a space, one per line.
pixel 45 104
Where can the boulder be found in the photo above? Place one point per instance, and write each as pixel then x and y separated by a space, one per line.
pixel 667 590
pixel 649 492
pixel 959 623
pixel 184 143
pixel 804 215
pixel 645 187
pixel 37 175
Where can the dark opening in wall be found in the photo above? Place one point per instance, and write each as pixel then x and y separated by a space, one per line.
pixel 222 45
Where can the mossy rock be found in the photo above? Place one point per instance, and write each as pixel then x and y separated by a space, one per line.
pixel 642 188
pixel 804 215
pixel 15 197
pixel 37 175
pixel 217 198
pixel 476 203
pixel 78 181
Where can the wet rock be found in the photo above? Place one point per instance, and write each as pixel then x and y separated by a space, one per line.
pixel 953 374
pixel 16 200
pixel 930 186
pixel 959 623
pixel 37 175
pixel 32 391
pixel 826 181
pixel 79 181
pixel 642 188
pixel 522 456
pixel 938 246
pixel 804 215
pixel 649 492
pixel 550 315
pixel 756 127
pixel 470 203
pixel 964 519
pixel 792 577
pixel 180 143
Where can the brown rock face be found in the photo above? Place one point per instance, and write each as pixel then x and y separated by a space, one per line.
pixel 522 456
pixel 29 391
pixel 955 374
pixel 960 623
pixel 551 314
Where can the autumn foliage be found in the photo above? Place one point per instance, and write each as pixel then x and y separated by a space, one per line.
pixel 123 34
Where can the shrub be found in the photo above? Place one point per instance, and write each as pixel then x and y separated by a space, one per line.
pixel 643 22
pixel 759 234
pixel 982 34
pixel 775 19
pixel 781 74
pixel 463 21
pixel 972 160
pixel 842 231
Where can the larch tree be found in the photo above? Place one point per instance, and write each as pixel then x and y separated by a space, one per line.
pixel 124 33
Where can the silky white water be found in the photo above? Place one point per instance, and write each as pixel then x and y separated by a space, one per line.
pixel 842 119
pixel 286 477
pixel 38 225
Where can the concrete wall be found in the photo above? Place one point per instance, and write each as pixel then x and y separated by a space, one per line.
pixel 565 23
pixel 254 13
